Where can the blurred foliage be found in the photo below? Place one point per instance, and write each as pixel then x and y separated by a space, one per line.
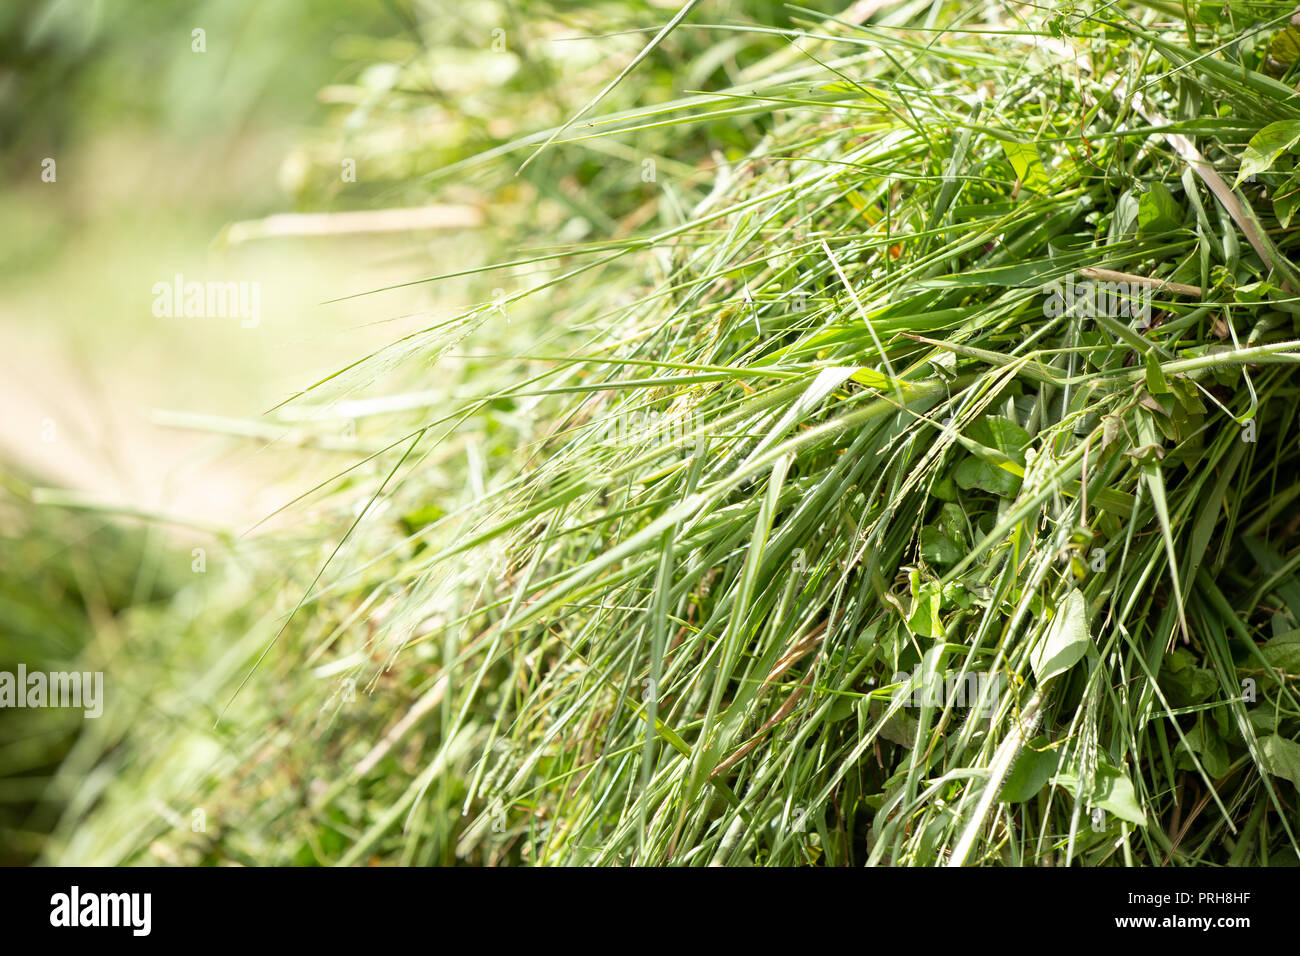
pixel 64 576
pixel 74 68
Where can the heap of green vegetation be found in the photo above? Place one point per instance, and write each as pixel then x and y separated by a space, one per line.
pixel 917 485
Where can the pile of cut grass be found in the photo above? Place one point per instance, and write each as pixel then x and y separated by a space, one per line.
pixel 863 531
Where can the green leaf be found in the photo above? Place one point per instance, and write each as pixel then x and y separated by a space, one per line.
pixel 1285 45
pixel 997 446
pixel 1182 681
pixel 1286 201
pixel 1150 454
pixel 422 517
pixel 1156 485
pixel 1032 770
pixel 843 707
pixel 1188 396
pixel 1156 376
pixel 1204 741
pixel 1158 211
pixel 975 474
pixel 1283 652
pixel 1002 434
pixel 1263 721
pixel 1266 146
pixel 1281 757
pixel 1067 639
pixel 938 548
pixel 927 600
pixel 945 489
pixel 1111 791
pixel 873 379
pixel 1124 220
pixel 1028 164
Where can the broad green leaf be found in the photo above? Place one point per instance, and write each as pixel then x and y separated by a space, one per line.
pixel 1266 146
pixel 1001 472
pixel 1286 201
pixel 1285 45
pixel 1028 164
pixel 1281 757
pixel 1283 652
pixel 1067 639
pixel 1151 454
pixel 1030 773
pixel 1182 681
pixel 1002 434
pixel 1205 742
pixel 927 600
pixel 1156 376
pixel 1124 220
pixel 1211 12
pixel 1263 720
pixel 945 489
pixel 873 379
pixel 985 476
pixel 939 548
pixel 843 707
pixel 1114 501
pixel 1158 211
pixel 1112 791
pixel 1188 396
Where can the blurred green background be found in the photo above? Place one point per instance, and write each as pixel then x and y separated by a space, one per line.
pixel 155 148
pixel 135 449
